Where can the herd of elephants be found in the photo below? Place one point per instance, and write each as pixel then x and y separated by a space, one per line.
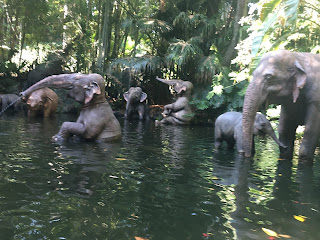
pixel 290 79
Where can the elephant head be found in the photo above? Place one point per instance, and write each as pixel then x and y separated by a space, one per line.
pixel 279 78
pixel 262 126
pixel 135 95
pixel 180 86
pixel 83 88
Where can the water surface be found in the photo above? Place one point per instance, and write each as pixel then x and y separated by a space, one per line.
pixel 158 183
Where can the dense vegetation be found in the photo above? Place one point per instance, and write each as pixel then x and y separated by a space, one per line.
pixel 213 43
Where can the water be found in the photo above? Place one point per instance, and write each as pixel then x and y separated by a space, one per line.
pixel 158 183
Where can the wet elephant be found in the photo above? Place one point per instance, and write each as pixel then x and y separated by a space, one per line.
pixel 43 102
pixel 7 99
pixel 180 112
pixel 228 127
pixel 136 103
pixel 96 120
pixel 293 80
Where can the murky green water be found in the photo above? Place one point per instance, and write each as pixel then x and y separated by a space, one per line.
pixel 158 183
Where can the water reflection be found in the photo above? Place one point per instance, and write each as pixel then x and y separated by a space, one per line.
pixel 158 183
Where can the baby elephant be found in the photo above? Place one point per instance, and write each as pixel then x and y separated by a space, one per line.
pixel 136 103
pixel 228 127
pixel 43 102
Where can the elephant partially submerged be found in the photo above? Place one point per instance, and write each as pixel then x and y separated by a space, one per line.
pixel 8 99
pixel 228 127
pixel 42 102
pixel 136 103
pixel 96 120
pixel 293 80
pixel 180 112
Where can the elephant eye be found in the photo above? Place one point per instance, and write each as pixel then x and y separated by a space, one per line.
pixel 267 76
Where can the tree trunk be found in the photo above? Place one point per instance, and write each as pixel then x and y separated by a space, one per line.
pixel 117 22
pixel 103 39
pixel 240 12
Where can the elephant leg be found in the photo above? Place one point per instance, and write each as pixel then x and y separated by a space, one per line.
pixel 47 112
pixel 69 129
pixel 217 138
pixel 238 139
pixel 288 124
pixel 311 134
pixel 141 112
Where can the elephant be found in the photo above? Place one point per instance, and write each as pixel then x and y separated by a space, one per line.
pixel 180 112
pixel 7 99
pixel 43 102
pixel 228 127
pixel 136 103
pixel 96 121
pixel 291 79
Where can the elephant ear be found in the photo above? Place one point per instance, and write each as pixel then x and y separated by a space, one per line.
pixel 143 97
pixel 126 96
pixel 91 89
pixel 300 80
pixel 180 89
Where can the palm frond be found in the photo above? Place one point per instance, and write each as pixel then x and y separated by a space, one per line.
pixel 180 52
pixel 146 63
pixel 208 67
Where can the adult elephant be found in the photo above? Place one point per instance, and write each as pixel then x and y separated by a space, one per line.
pixel 136 103
pixel 96 120
pixel 293 80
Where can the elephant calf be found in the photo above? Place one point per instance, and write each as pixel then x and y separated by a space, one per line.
pixel 228 127
pixel 180 112
pixel 43 102
pixel 136 103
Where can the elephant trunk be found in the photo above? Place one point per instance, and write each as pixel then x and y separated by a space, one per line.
pixel 54 81
pixel 274 137
pixel 250 107
pixel 169 82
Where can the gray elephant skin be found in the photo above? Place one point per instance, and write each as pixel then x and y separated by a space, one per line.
pixel 136 103
pixel 228 128
pixel 293 80
pixel 96 120
pixel 42 102
pixel 180 112
pixel 7 99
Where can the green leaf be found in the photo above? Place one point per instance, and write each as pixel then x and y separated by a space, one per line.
pixel 267 8
pixel 291 10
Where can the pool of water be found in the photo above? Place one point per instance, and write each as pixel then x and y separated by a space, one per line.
pixel 158 183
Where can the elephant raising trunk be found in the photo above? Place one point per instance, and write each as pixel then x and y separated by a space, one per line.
pixel 96 120
pixel 180 112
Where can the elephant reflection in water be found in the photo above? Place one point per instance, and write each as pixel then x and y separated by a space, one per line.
pixel 180 112
pixel 79 168
pixel 285 203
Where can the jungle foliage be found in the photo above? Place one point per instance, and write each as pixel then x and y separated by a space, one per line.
pixel 213 43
